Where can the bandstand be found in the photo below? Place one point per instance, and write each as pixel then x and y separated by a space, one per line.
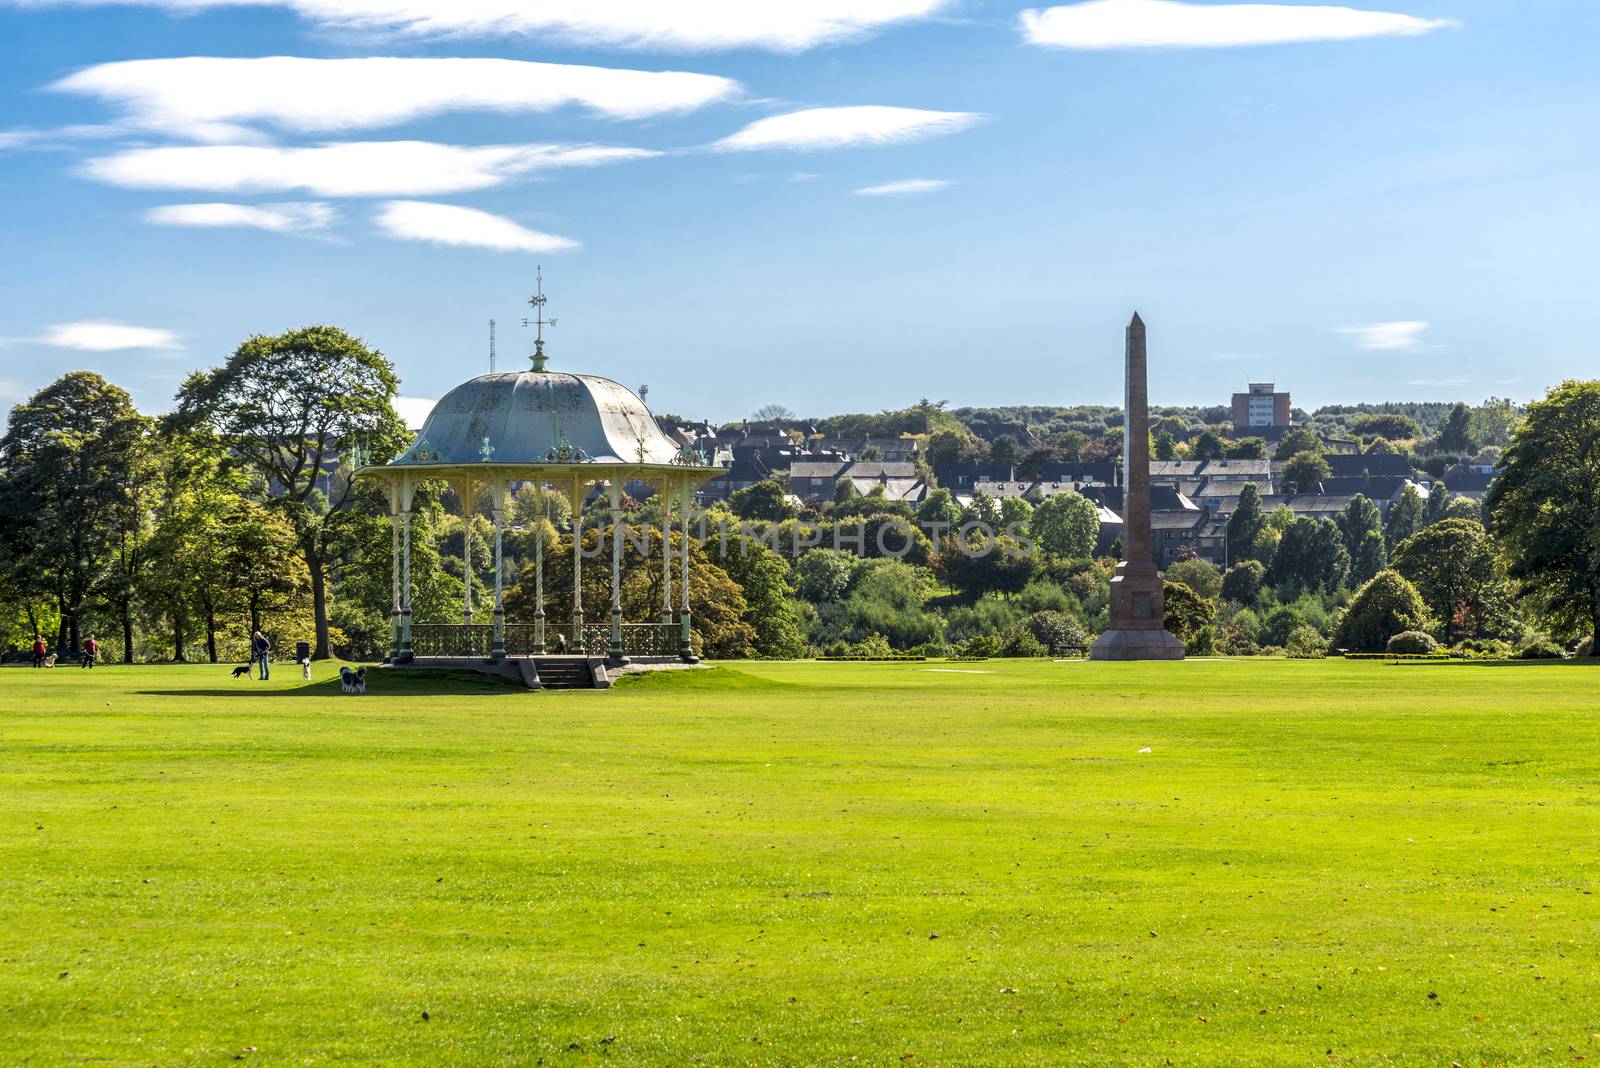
pixel 564 433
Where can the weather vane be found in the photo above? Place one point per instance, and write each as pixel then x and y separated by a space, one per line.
pixel 539 322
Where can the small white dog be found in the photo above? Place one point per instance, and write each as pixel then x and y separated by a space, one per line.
pixel 50 661
pixel 305 669
pixel 353 681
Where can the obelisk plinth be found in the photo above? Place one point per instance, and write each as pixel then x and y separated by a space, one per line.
pixel 1136 630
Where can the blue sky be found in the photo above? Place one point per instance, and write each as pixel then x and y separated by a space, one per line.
pixel 1395 202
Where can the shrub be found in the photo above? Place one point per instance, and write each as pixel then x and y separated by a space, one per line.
pixel 1305 643
pixel 1541 650
pixel 1278 625
pixel 1386 606
pixel 1060 634
pixel 1204 643
pixel 1412 643
pixel 1187 613
pixel 1242 583
pixel 1020 642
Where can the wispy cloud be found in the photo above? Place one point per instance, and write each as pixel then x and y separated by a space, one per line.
pixel 349 169
pixel 291 218
pixel 904 187
pixel 868 124
pixel 451 224
pixel 1098 24
pixel 27 137
pixel 414 410
pixel 682 25
pixel 213 99
pixel 91 336
pixel 1387 337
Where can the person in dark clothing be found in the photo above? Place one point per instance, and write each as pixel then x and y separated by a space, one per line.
pixel 91 651
pixel 40 650
pixel 259 648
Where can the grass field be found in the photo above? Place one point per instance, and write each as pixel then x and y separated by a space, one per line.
pixel 1014 863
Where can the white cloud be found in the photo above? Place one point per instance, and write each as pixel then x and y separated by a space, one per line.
pixel 868 124
pixel 679 25
pixel 904 187
pixel 1174 24
pixel 414 410
pixel 292 218
pixel 349 169
pixel 451 224
pixel 107 337
pixel 209 98
pixel 1387 337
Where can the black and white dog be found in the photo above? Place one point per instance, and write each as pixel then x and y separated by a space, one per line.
pixel 353 681
pixel 242 669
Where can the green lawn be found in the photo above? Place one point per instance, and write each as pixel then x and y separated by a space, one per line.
pixel 805 864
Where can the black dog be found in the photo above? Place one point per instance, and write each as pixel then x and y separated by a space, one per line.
pixel 353 681
pixel 243 669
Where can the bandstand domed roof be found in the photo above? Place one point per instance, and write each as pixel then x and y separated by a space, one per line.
pixel 535 417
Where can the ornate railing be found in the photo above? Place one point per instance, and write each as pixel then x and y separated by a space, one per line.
pixel 452 639
pixel 477 639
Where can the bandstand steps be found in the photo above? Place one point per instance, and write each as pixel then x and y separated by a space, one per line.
pixel 564 674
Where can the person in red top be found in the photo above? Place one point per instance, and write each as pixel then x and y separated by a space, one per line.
pixel 91 649
pixel 39 651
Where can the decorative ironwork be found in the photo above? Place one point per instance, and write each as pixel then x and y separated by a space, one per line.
pixel 566 453
pixel 486 450
pixel 421 452
pixel 476 640
pixel 689 456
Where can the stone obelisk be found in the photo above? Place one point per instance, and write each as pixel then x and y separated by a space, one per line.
pixel 1136 631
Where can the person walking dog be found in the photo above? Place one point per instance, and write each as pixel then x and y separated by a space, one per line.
pixel 39 651
pixel 260 648
pixel 91 650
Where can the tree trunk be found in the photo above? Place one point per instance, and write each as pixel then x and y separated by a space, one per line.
pixel 72 632
pixel 1594 621
pixel 179 653
pixel 211 634
pixel 319 598
pixel 255 613
pixel 127 631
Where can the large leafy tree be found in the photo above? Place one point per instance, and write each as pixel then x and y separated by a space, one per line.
pixel 1300 439
pixel 1452 565
pixel 1456 436
pixel 1066 524
pixel 70 458
pixel 1311 556
pixel 293 406
pixel 1246 524
pixel 1385 606
pixel 1305 471
pixel 1545 508
pixel 1404 518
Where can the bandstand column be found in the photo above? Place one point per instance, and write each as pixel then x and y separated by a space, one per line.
pixel 538 574
pixel 497 650
pixel 468 506
pixel 394 572
pixel 615 653
pixel 686 643
pixel 577 566
pixel 666 550
pixel 407 654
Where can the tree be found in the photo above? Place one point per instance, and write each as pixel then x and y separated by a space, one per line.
pixel 1199 576
pixel 1389 425
pixel 1380 447
pixel 1438 506
pixel 1494 422
pixel 1452 566
pixel 1385 606
pixel 771 413
pixel 1305 471
pixel 1208 446
pixel 69 458
pixel 1311 556
pixel 290 406
pixel 1370 557
pixel 1404 518
pixel 765 500
pixel 1066 524
pixel 1246 524
pixel 1248 449
pixel 948 446
pixel 1361 517
pixel 1242 583
pixel 1186 612
pixel 823 575
pixel 763 577
pixel 939 507
pixel 1005 449
pixel 1164 446
pixel 1298 440
pixel 1456 437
